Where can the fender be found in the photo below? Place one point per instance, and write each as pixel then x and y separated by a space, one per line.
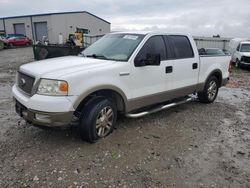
pixel 98 88
pixel 201 86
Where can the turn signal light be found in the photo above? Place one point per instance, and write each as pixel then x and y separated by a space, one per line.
pixel 63 86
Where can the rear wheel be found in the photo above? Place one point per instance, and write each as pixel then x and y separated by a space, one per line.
pixel 210 91
pixel 98 119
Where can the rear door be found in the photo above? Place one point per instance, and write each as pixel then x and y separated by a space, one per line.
pixel 185 63
pixel 18 41
pixel 21 40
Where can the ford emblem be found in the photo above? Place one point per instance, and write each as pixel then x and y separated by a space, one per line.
pixel 22 82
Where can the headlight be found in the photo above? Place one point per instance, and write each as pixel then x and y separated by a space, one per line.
pixel 53 87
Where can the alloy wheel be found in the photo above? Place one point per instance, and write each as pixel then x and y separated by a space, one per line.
pixel 104 121
pixel 212 90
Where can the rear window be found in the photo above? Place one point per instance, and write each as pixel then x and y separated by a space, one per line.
pixel 181 46
pixel 211 51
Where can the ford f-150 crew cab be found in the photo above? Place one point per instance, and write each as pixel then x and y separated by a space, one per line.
pixel 131 73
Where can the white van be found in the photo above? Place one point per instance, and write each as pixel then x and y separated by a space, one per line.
pixel 240 50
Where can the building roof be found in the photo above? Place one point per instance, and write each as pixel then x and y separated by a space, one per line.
pixel 57 13
pixel 211 38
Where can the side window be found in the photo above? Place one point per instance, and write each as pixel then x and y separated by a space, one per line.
pixel 154 45
pixel 181 46
pixel 238 48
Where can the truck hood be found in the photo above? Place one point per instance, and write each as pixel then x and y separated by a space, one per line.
pixel 62 66
pixel 247 54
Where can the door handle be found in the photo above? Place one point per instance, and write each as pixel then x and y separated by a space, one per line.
pixel 124 73
pixel 169 69
pixel 195 65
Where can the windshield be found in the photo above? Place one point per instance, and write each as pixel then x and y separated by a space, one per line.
pixel 245 48
pixel 117 47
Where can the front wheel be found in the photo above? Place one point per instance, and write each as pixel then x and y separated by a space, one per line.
pixel 238 64
pixel 210 91
pixel 98 119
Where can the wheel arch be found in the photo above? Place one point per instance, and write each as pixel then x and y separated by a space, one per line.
pixel 218 74
pixel 112 92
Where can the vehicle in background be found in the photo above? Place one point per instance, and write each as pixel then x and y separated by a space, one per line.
pixel 211 51
pixel 130 73
pixel 5 42
pixel 14 35
pixel 240 50
pixel 19 41
pixel 226 52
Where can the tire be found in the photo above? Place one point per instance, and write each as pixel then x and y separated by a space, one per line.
pixel 97 119
pixel 11 45
pixel 210 91
pixel 5 45
pixel 238 63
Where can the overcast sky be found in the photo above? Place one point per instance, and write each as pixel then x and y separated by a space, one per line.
pixel 229 18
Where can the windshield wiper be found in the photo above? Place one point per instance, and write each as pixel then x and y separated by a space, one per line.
pixel 97 56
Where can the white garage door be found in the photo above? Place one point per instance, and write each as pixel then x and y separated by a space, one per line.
pixel 41 30
pixel 19 28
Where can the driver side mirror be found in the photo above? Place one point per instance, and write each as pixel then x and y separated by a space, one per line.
pixel 151 60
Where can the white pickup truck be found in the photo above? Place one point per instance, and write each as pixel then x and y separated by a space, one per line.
pixel 130 73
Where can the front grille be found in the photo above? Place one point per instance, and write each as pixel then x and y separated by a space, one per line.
pixel 25 82
pixel 245 59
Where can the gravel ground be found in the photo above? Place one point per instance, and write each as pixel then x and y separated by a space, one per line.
pixel 192 145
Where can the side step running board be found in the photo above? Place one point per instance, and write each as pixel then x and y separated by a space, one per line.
pixel 159 108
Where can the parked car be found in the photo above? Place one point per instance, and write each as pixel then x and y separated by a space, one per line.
pixel 240 52
pixel 211 51
pixel 134 74
pixel 19 41
pixel 226 52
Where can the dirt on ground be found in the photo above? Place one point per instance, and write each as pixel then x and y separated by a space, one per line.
pixel 191 145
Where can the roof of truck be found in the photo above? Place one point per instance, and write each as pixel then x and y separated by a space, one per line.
pixel 151 32
pixel 245 42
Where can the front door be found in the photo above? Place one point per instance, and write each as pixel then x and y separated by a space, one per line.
pixel 150 82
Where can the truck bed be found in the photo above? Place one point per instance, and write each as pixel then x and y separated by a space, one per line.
pixel 208 63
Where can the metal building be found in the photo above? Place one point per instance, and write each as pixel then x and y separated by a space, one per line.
pixel 212 42
pixel 51 25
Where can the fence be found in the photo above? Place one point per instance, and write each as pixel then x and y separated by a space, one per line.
pixel 211 42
